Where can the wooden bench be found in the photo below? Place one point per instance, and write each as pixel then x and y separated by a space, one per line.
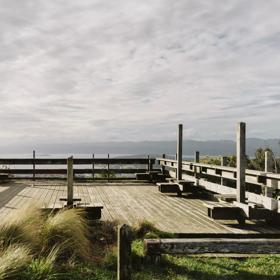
pixel 93 211
pixel 224 211
pixel 155 247
pixel 175 187
pixel 4 176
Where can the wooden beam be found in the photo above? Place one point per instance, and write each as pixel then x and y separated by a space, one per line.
pixel 70 181
pixel 211 245
pixel 179 151
pixel 124 253
pixel 241 161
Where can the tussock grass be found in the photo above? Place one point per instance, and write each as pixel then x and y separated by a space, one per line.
pixel 21 227
pixel 13 260
pixel 67 229
pixel 43 268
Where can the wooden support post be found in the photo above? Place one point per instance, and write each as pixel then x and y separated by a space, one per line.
pixel 179 151
pixel 223 163
pixel 92 166
pixel 124 252
pixel 268 168
pixel 163 167
pixel 196 160
pixel 148 166
pixel 268 162
pixel 241 161
pixel 70 181
pixel 196 156
pixel 108 169
pixel 34 166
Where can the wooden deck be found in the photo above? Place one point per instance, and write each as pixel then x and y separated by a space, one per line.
pixel 127 202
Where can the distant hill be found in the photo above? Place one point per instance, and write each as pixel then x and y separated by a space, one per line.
pixel 215 147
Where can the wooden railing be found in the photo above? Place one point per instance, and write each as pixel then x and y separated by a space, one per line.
pixel 260 186
pixel 104 168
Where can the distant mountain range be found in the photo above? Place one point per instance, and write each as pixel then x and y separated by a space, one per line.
pixel 211 148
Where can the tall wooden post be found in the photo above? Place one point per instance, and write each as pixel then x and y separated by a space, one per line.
pixel 196 156
pixel 148 166
pixel 223 163
pixel 92 166
pixel 241 161
pixel 268 162
pixel 70 181
pixel 163 167
pixel 124 253
pixel 196 168
pixel 179 151
pixel 34 165
pixel 108 169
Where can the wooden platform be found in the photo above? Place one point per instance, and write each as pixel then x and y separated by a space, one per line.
pixel 128 202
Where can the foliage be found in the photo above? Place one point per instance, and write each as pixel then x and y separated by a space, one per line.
pixel 22 227
pixel 13 260
pixel 67 229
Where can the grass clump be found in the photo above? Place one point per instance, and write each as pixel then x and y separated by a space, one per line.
pixel 22 227
pixel 67 229
pixel 13 261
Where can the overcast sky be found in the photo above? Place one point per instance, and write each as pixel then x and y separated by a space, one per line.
pixel 99 70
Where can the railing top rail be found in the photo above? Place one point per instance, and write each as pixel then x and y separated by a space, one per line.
pixel 58 161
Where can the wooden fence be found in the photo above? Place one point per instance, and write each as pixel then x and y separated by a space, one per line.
pixel 261 187
pixel 100 168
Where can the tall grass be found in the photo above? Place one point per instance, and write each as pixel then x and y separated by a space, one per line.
pixel 13 260
pixel 68 229
pixel 21 227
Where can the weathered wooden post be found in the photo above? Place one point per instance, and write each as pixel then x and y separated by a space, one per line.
pixel 241 162
pixel 269 168
pixel 223 163
pixel 108 169
pixel 148 166
pixel 163 167
pixel 268 162
pixel 70 181
pixel 196 156
pixel 124 252
pixel 92 166
pixel 34 166
pixel 196 168
pixel 179 151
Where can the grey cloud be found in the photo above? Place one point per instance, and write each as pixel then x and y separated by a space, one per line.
pixel 132 69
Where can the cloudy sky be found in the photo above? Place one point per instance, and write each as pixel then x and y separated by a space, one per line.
pixel 100 70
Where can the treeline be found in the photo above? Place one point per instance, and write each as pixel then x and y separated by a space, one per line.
pixel 257 162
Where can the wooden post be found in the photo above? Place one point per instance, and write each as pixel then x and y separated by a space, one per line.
pixel 240 161
pixel 268 162
pixel 124 252
pixel 108 168
pixel 70 180
pixel 196 156
pixel 34 166
pixel 223 163
pixel 269 168
pixel 92 166
pixel 179 151
pixel 163 167
pixel 148 166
